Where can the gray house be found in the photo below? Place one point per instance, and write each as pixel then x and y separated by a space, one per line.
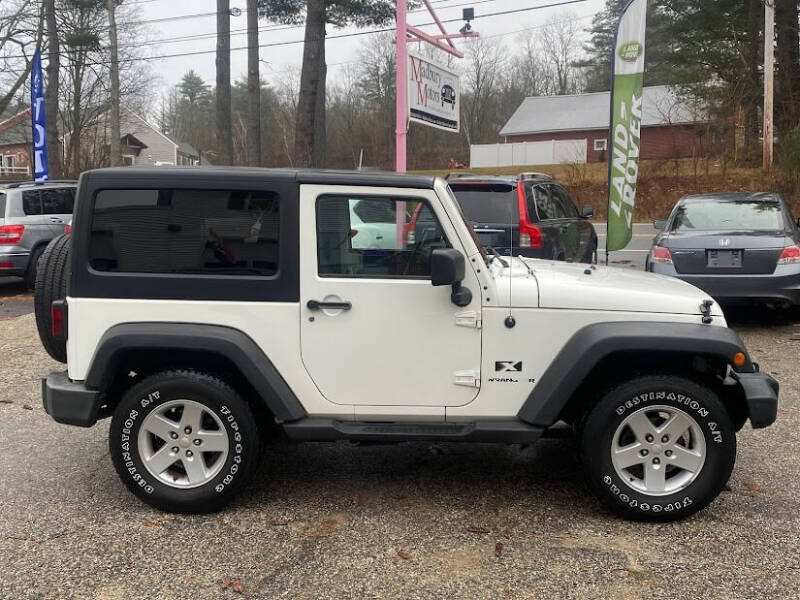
pixel 143 145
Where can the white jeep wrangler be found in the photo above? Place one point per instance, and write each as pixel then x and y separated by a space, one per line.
pixel 205 308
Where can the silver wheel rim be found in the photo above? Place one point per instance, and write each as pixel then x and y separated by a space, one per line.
pixel 183 444
pixel 658 450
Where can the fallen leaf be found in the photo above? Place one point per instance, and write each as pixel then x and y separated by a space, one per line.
pixel 27 407
pixel 507 533
pixel 238 587
pixel 156 522
pixel 6 402
pixel 403 554
pixel 475 529
pixel 225 583
pixel 498 549
pixel 751 487
pixel 277 523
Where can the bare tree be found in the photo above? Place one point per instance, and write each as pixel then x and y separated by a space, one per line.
pixel 20 34
pixel 560 43
pixel 224 117
pixel 485 60
pixel 308 105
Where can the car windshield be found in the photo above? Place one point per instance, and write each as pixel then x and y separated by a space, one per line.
pixel 738 215
pixel 488 202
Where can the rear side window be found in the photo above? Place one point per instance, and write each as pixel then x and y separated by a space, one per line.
pixel 2 206
pixel 546 206
pixel 563 201
pixel 31 203
pixel 206 232
pixel 495 203
pixel 58 201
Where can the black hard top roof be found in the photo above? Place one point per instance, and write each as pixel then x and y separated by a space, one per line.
pixel 10 185
pixel 310 176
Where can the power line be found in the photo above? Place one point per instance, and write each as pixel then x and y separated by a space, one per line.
pixel 339 36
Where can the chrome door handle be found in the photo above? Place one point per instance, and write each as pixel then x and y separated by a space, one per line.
pixel 317 305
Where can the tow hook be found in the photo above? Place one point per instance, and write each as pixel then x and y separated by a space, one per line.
pixel 705 310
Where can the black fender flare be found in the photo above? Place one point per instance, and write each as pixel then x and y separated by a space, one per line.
pixel 231 343
pixel 591 344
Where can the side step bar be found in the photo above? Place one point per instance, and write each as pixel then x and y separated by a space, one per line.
pixel 328 430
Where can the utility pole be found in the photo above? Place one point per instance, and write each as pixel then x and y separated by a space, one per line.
pixel 253 87
pixel 769 80
pixel 116 153
pixel 51 91
pixel 223 64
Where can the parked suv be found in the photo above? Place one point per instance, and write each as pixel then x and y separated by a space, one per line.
pixel 530 215
pixel 202 309
pixel 31 214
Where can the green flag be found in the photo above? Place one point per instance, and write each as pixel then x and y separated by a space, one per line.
pixel 626 121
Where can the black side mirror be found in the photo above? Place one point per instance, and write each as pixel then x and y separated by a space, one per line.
pixel 587 212
pixel 660 224
pixel 448 268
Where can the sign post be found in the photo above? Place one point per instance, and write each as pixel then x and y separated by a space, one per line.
pixel 448 98
pixel 626 121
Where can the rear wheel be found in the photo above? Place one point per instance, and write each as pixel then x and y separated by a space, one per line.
pixel 184 441
pixel 52 283
pixel 30 274
pixel 658 448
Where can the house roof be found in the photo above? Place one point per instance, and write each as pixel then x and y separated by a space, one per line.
pixel 544 114
pixel 16 129
pixel 184 147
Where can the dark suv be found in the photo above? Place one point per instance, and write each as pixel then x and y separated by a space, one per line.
pixel 530 215
pixel 31 214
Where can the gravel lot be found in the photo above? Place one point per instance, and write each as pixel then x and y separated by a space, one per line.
pixel 405 521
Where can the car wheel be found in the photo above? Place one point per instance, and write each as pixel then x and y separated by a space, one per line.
pixel 658 448
pixel 51 283
pixel 33 262
pixel 184 441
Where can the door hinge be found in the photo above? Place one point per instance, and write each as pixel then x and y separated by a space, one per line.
pixel 468 318
pixel 467 378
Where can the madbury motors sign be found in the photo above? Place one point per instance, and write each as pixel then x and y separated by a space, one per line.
pixel 434 93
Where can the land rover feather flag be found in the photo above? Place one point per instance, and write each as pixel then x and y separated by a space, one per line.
pixel 626 120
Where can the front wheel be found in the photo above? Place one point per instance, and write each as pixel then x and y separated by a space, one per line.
pixel 184 441
pixel 658 448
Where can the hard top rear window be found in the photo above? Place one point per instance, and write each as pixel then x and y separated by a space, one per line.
pixel 488 202
pixel 728 215
pixel 205 232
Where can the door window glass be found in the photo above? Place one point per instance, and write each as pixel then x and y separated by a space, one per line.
pixel 31 202
pixel 361 237
pixel 564 203
pixel 58 201
pixel 546 207
pixel 205 232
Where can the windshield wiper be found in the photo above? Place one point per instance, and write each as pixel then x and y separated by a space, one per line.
pixel 495 254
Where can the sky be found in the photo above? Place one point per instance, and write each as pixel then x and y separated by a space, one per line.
pixel 278 61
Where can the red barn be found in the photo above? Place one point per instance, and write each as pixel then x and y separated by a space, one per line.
pixel 671 126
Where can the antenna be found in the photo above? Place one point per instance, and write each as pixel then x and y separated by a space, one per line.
pixel 510 320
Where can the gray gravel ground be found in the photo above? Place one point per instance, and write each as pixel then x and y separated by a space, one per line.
pixel 405 521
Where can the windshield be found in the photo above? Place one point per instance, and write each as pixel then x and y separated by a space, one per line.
pixel 739 215
pixel 488 202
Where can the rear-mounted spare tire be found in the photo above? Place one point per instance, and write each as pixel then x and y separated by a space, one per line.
pixel 52 280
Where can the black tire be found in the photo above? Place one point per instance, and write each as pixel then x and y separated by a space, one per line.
pixel 30 273
pixel 702 407
pixel 52 283
pixel 216 397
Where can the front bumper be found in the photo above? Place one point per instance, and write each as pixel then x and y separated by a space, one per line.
pixel 69 402
pixel 761 395
pixel 782 285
